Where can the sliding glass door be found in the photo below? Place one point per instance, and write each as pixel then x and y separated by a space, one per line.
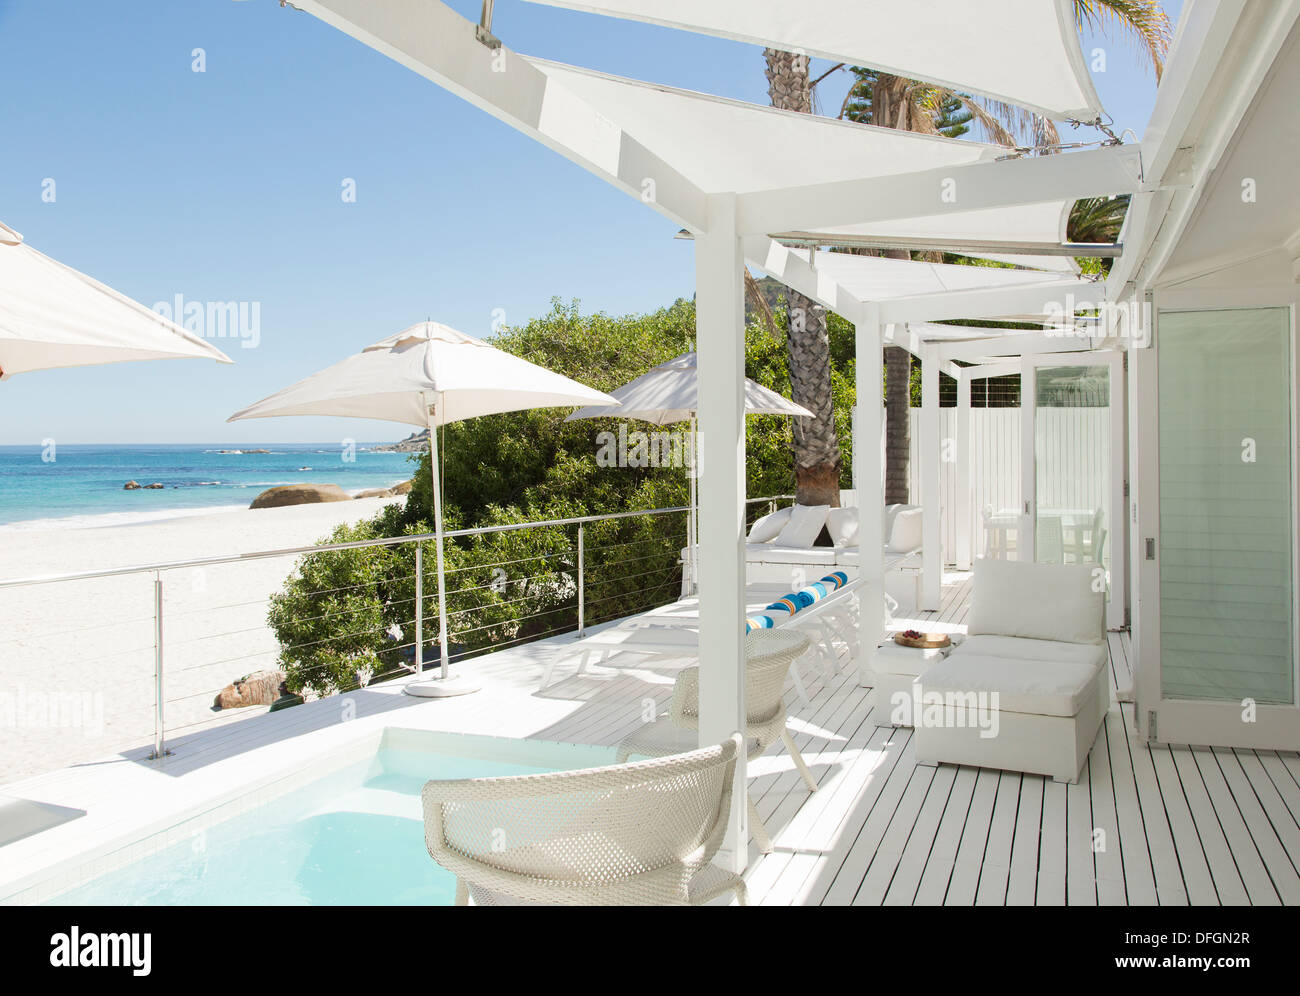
pixel 1226 545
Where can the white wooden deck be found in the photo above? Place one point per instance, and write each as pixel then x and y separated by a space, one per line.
pixel 1158 825
pixel 1145 826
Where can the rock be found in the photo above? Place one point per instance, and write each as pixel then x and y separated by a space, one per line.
pixel 259 688
pixel 416 442
pixel 155 486
pixel 299 494
pixel 402 489
pixel 131 486
pixel 376 493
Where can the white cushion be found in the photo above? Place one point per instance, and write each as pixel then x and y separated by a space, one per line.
pixel 805 524
pixel 1037 601
pixel 1017 648
pixel 767 527
pixel 775 553
pixel 1035 687
pixel 842 524
pixel 906 532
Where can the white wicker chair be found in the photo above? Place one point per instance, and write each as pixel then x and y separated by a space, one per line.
pixel 628 834
pixel 769 653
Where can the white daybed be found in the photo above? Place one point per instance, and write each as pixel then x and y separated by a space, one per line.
pixel 1035 654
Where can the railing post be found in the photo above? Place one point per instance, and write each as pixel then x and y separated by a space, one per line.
pixel 419 607
pixel 582 581
pixel 159 743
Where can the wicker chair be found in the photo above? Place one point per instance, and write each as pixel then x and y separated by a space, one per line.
pixel 624 835
pixel 769 652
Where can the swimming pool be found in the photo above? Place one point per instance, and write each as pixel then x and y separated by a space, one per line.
pixel 354 836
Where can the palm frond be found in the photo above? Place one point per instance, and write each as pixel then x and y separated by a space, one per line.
pixel 1142 23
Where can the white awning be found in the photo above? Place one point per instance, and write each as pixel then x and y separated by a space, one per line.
pixel 1025 52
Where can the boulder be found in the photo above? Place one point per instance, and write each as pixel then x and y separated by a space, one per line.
pixel 259 688
pixel 155 486
pixel 376 493
pixel 131 486
pixel 299 494
pixel 402 489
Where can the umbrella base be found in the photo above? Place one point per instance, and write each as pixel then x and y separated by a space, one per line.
pixel 440 688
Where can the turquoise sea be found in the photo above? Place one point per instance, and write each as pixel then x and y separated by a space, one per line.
pixel 82 485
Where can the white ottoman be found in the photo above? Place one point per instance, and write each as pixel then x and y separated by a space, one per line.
pixel 890 673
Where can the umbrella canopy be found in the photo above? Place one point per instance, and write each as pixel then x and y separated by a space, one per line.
pixel 428 375
pixel 429 365
pixel 53 316
pixel 671 391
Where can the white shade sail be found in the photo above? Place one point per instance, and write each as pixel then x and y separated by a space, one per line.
pixel 397 379
pixel 724 145
pixel 1025 52
pixel 873 278
pixel 670 393
pixel 1043 223
pixel 53 316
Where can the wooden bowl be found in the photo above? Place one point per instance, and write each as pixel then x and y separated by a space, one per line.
pixel 929 641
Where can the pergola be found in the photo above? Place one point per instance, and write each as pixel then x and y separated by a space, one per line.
pixel 689 156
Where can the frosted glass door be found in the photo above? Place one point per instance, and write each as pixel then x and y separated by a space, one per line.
pixel 1227 599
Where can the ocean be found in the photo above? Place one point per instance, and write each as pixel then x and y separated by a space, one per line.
pixel 81 486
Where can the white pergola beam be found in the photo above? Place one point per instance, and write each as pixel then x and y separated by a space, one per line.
pixel 959 188
pixel 1013 345
pixel 869 479
pixel 784 264
pixel 992 302
pixel 931 453
pixel 720 321
pixel 962 452
pixel 431 39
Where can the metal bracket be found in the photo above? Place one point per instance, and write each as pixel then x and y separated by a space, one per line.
pixel 483 30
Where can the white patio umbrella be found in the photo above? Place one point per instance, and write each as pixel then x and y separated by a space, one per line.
pixel 427 375
pixel 53 316
pixel 670 393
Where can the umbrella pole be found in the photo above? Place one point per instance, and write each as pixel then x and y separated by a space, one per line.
pixel 444 686
pixel 692 524
pixel 437 539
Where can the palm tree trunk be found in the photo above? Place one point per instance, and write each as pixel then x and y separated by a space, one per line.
pixel 817 460
pixel 898 429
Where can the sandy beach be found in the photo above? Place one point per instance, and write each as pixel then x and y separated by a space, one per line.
pixel 77 657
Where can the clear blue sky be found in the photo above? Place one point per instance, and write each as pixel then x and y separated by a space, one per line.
pixel 225 186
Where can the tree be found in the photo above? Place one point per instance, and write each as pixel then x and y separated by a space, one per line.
pixel 817 460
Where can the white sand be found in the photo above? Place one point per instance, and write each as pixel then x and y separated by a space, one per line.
pixel 77 657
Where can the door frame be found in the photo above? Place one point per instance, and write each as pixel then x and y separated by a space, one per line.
pixel 1116 510
pixel 1186 721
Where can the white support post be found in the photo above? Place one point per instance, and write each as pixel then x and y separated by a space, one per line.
pixel 930 451
pixel 869 480
pixel 720 331
pixel 964 510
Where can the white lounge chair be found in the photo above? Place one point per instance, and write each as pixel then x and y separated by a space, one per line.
pixel 625 835
pixel 673 632
pixel 770 653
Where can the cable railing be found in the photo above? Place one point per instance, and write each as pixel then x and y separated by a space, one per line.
pixel 166 638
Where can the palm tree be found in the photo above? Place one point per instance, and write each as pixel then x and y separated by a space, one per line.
pixel 817 460
pixel 895 102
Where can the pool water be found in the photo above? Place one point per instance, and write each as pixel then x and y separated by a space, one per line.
pixel 354 837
